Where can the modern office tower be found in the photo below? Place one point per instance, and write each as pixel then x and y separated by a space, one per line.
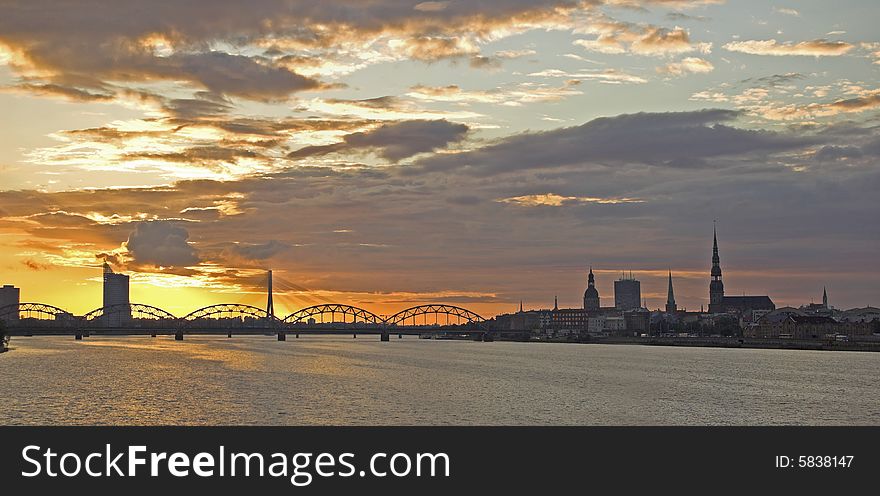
pixel 9 295
pixel 115 293
pixel 627 293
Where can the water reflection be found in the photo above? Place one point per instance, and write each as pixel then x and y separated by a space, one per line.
pixel 257 380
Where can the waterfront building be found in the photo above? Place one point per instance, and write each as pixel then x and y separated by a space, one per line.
pixel 116 293
pixel 627 293
pixel 569 319
pixel 808 327
pixel 10 295
pixel 747 308
pixel 591 295
pixel 637 321
pixel 866 314
pixel 821 308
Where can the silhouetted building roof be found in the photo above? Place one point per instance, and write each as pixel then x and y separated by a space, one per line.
pixel 744 303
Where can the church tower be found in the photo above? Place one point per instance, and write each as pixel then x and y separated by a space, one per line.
pixel 825 298
pixel 716 287
pixel 591 295
pixel 670 297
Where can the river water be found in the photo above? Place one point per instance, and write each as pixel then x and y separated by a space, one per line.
pixel 345 381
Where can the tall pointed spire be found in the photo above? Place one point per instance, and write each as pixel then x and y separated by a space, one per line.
pixel 520 306
pixel 270 308
pixel 824 297
pixel 716 286
pixel 555 303
pixel 670 296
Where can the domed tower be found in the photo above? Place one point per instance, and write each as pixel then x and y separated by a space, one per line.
pixel 591 295
pixel 716 287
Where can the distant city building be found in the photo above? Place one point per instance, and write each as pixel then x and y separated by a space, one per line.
pixel 748 308
pixel 823 308
pixel 627 293
pixel 866 314
pixel 637 321
pixel 116 293
pixel 591 295
pixel 569 319
pixel 807 327
pixel 10 295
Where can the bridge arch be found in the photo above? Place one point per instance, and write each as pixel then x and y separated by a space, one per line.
pixel 230 315
pixel 461 315
pixel 128 314
pixel 357 315
pixel 24 314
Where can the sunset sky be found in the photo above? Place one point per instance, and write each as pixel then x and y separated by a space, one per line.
pixel 387 153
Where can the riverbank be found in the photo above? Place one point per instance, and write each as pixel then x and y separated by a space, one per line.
pixel 723 342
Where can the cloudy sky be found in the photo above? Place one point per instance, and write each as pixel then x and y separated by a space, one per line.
pixel 387 153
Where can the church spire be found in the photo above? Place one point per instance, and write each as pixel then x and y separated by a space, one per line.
pixel 555 303
pixel 824 297
pixel 670 297
pixel 716 286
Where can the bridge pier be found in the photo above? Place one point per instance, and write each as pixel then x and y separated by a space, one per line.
pixel 78 336
pixel 385 337
pixel 400 336
pixel 152 335
pixel 354 336
pixel 178 336
pixel 488 337
pixel 282 336
pixel 229 335
pixel 297 335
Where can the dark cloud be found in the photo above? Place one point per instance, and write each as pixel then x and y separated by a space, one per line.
pixel 123 41
pixel 193 108
pixel 161 244
pixel 235 75
pixel 831 152
pixel 199 154
pixel 34 265
pixel 381 102
pixel 395 141
pixel 783 227
pixel 483 62
pixel 675 139
pixel 68 92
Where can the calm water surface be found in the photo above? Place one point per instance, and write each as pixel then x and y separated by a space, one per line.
pixel 319 380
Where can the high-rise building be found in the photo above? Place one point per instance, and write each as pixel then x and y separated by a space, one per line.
pixel 591 295
pixel 115 293
pixel 670 297
pixel 9 295
pixel 627 293
pixel 115 288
